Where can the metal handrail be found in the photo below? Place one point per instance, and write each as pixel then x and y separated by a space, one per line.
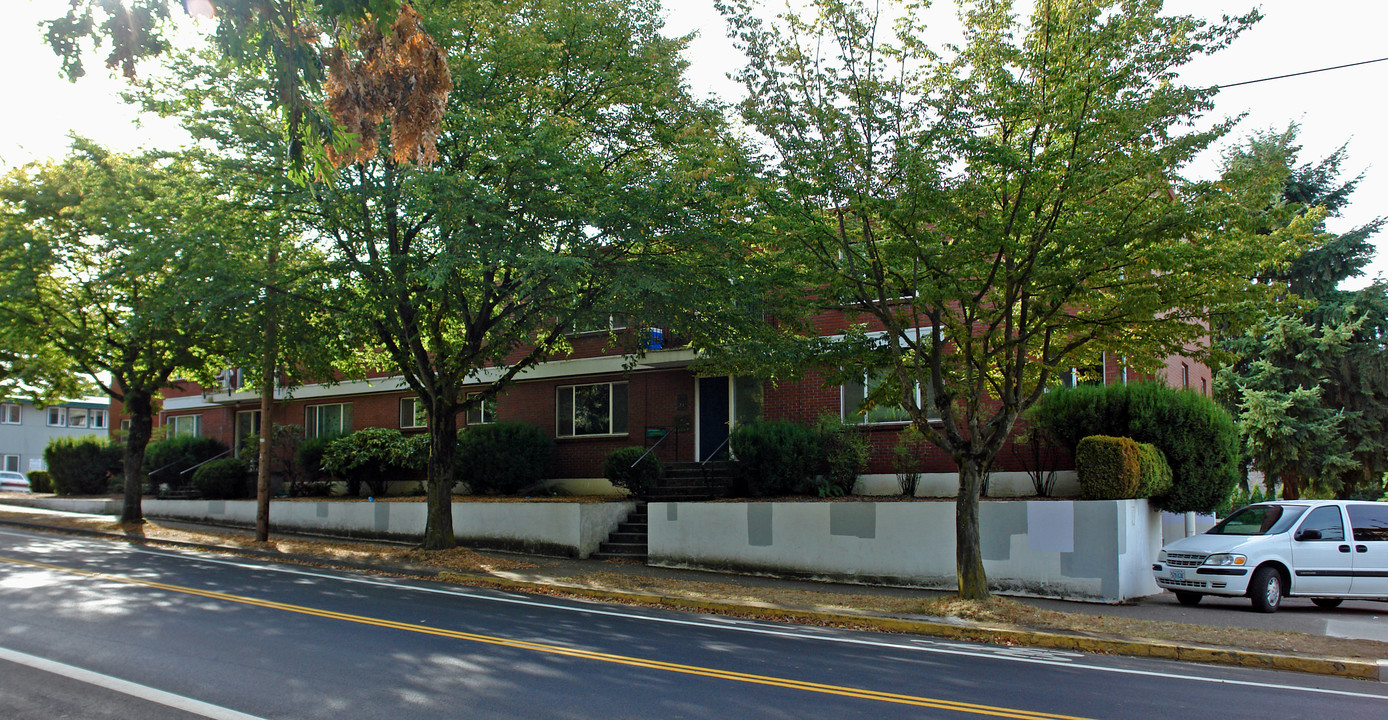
pixel 204 462
pixel 651 449
pixel 714 454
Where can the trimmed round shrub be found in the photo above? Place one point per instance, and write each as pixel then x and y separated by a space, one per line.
pixel 1195 434
pixel 631 469
pixel 503 458
pixel 40 481
pixel 224 479
pixel 1154 472
pixel 167 461
pixel 373 457
pixel 1108 467
pixel 774 457
pixel 82 466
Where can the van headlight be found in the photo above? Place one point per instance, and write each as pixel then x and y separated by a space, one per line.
pixel 1161 556
pixel 1226 559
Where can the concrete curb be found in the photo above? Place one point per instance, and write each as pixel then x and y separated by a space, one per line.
pixel 1341 667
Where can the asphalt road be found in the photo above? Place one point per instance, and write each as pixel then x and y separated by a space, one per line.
pixel 94 630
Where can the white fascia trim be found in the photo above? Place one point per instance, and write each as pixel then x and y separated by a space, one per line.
pixel 579 367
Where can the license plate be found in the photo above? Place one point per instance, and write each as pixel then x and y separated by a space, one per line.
pixel 1178 574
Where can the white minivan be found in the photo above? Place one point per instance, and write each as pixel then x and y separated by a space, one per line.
pixel 1326 550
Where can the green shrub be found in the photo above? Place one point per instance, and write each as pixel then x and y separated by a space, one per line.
pixel 906 460
pixel 224 479
pixel 168 461
pixel 1197 436
pixel 371 456
pixel 632 469
pixel 308 460
pixel 82 466
pixel 503 458
pixel 1154 472
pixel 1109 468
pixel 774 457
pixel 846 452
pixel 40 481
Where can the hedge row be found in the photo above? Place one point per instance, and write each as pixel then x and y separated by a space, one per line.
pixel 1197 436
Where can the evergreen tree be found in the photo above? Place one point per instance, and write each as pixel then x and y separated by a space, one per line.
pixel 1309 382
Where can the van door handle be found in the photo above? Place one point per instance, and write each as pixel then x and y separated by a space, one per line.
pixel 1361 548
pixel 1344 548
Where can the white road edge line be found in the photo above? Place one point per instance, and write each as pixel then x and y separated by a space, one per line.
pixel 752 629
pixel 125 687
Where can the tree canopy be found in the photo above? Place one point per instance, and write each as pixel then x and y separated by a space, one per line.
pixel 118 265
pixel 577 178
pixel 990 215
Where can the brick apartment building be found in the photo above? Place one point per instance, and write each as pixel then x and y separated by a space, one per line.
pixel 594 400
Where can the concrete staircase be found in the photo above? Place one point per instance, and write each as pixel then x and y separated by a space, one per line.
pixel 683 482
pixel 628 541
pixel 693 481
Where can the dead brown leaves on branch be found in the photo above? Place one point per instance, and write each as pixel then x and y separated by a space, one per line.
pixel 401 76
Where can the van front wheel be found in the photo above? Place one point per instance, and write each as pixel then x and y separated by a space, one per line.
pixel 1266 589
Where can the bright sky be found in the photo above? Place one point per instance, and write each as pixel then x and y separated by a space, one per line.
pixel 1332 107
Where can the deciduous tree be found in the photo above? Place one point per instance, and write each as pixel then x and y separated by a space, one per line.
pixel 117 264
pixel 989 215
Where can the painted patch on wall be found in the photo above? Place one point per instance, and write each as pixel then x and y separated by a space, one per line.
pixel 1051 526
pixel 857 519
pixel 759 524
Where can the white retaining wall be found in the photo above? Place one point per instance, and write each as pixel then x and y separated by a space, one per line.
pixel 551 528
pixel 1099 550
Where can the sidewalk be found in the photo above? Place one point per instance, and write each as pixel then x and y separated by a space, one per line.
pixel 1227 632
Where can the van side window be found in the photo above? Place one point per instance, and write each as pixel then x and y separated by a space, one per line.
pixel 1328 521
pixel 1370 522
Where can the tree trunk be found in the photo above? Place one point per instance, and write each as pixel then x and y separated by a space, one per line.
pixel 267 434
pixel 443 447
pixel 1291 485
pixel 968 553
pixel 267 426
pixel 141 410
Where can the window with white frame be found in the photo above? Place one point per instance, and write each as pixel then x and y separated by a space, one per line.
pixel 10 414
pixel 97 418
pixel 77 417
pixel 868 402
pixel 482 413
pixel 57 417
pixel 327 420
pixel 596 409
pixel 412 414
pixel 125 425
pixel 11 463
pixel 184 425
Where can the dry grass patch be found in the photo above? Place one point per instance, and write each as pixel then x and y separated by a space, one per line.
pixel 327 551
pixel 996 612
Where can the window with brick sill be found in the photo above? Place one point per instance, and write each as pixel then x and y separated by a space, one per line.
pixel 858 405
pixel 328 420
pixel 412 414
pixel 589 410
pixel 482 413
pixel 185 425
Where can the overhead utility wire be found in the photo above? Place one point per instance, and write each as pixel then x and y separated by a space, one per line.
pixel 1304 72
pixel 1249 82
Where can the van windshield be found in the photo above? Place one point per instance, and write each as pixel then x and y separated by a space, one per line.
pixel 1259 520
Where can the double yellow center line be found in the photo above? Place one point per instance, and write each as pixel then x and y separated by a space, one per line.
pixel 787 683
